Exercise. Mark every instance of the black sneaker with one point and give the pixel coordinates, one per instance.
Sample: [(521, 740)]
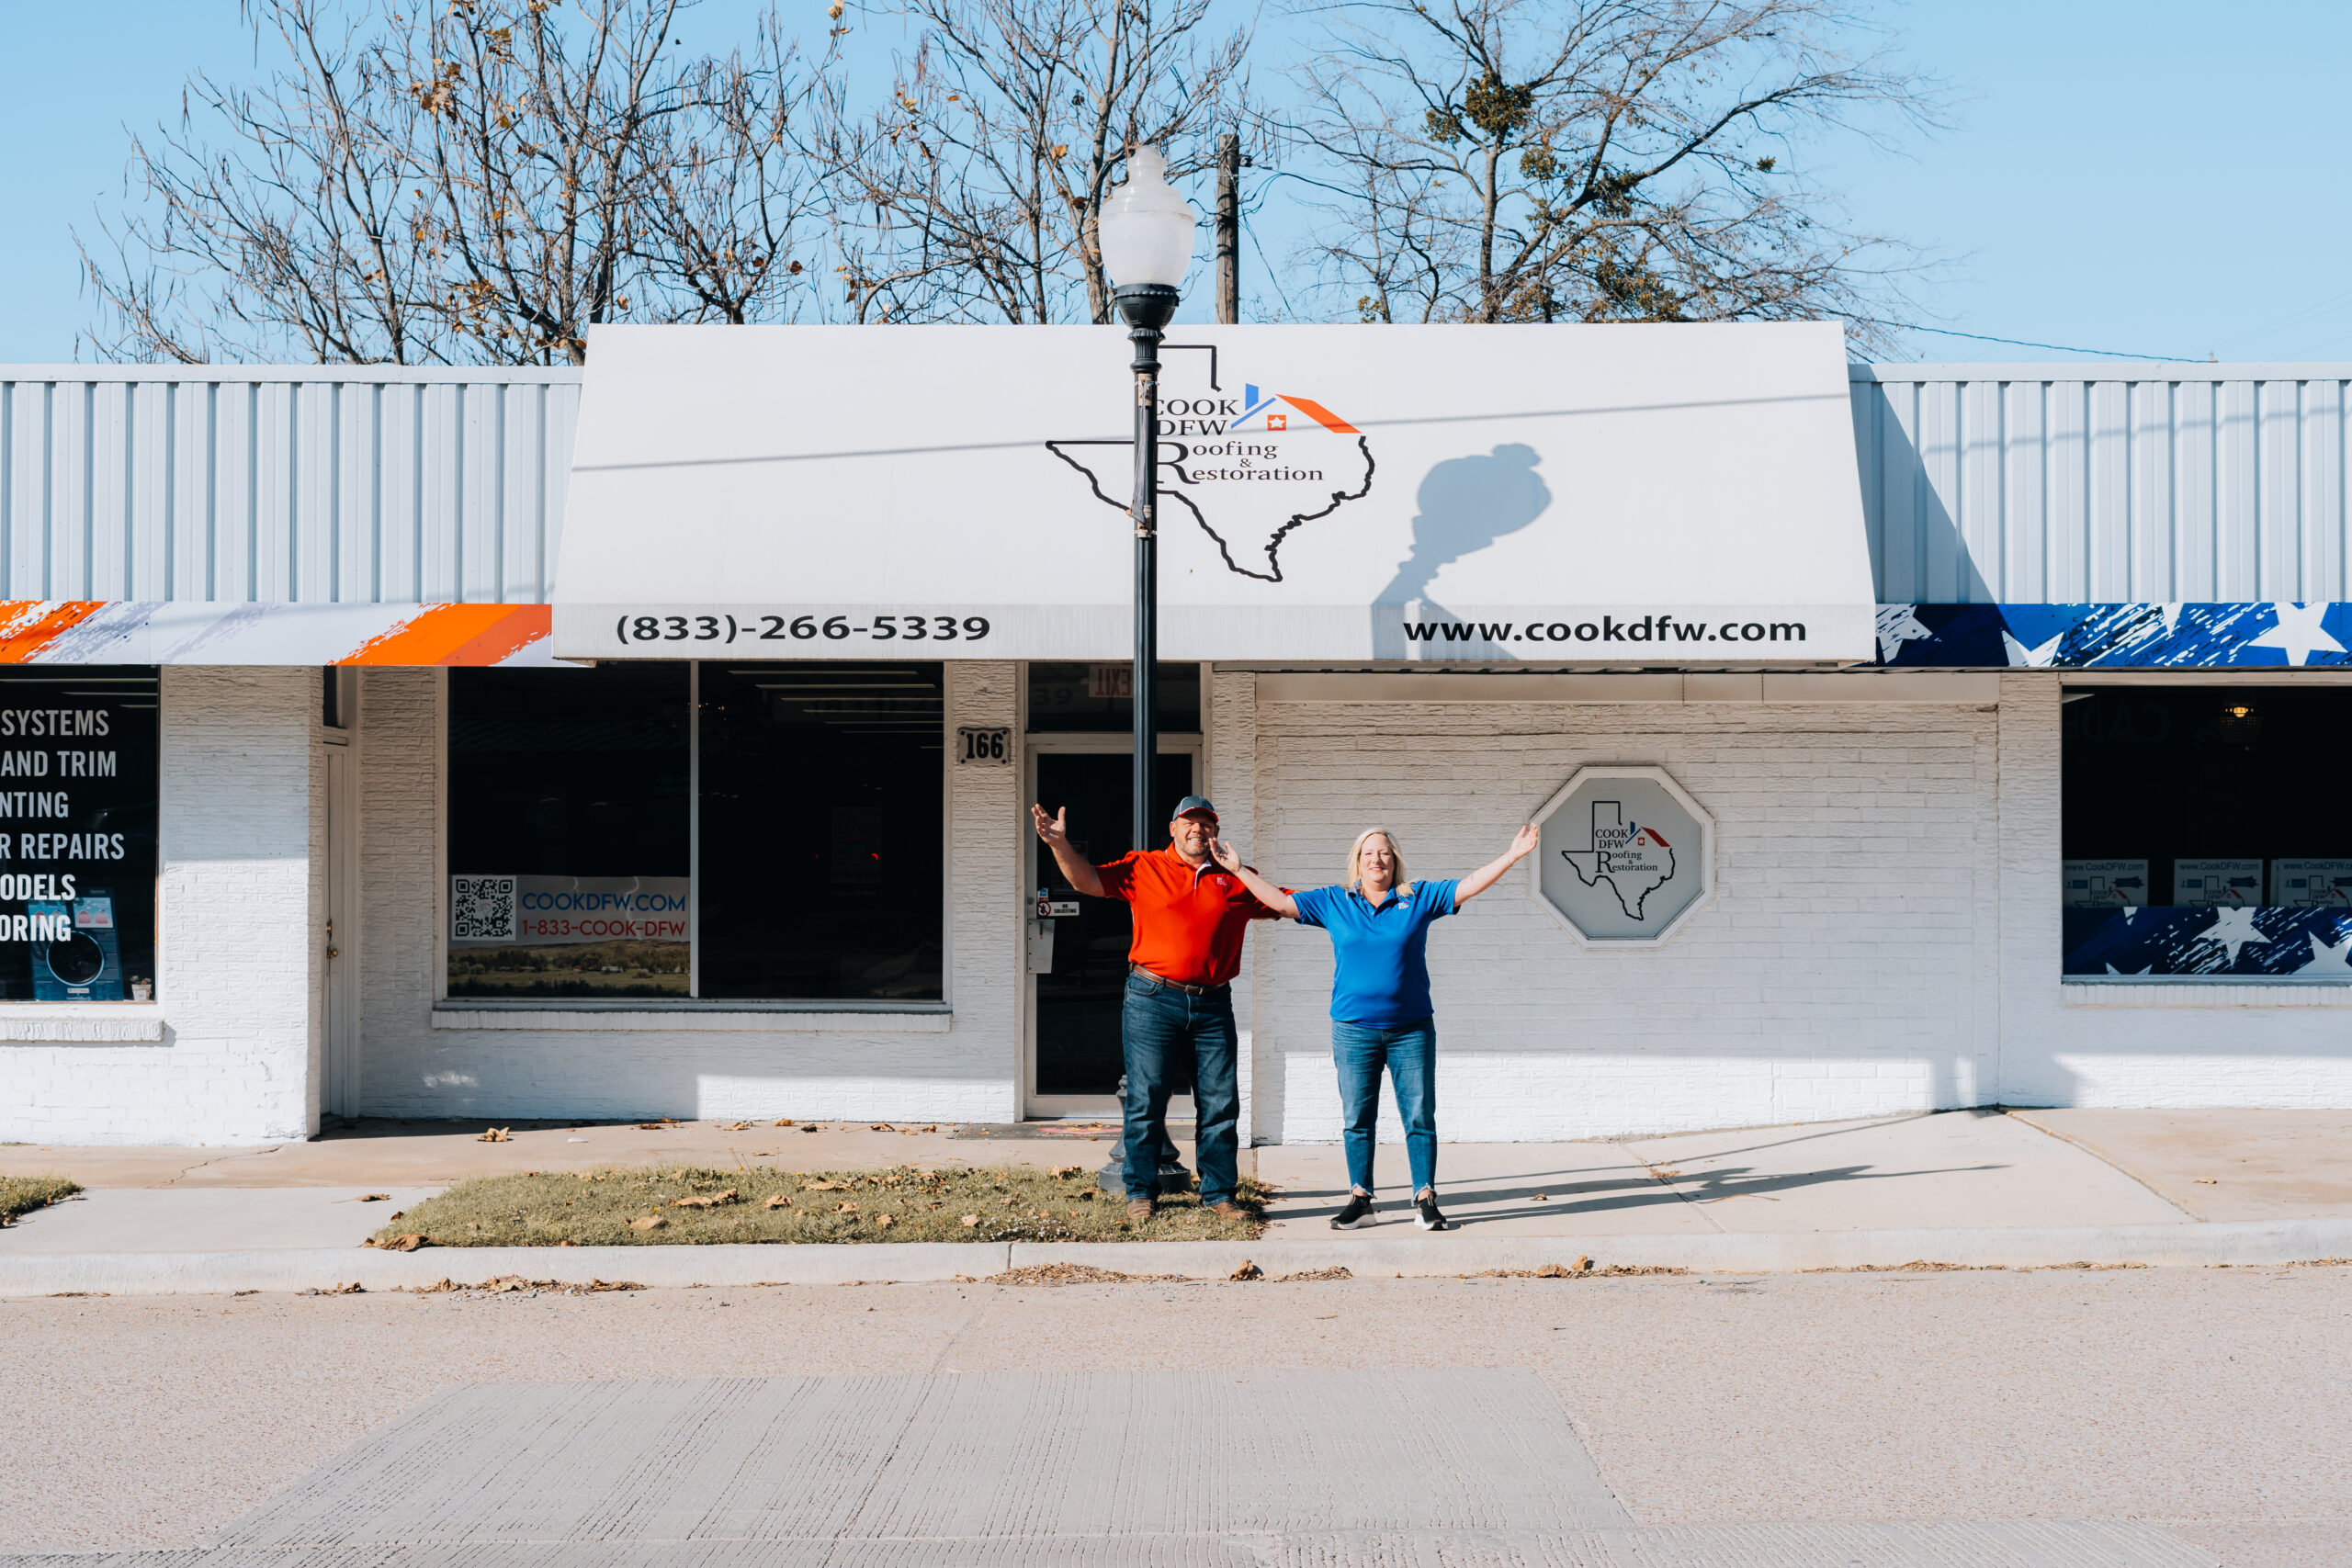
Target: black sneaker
[(1356, 1215), (1425, 1213)]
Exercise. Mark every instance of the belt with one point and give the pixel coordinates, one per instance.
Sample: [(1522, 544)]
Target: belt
[(1138, 970)]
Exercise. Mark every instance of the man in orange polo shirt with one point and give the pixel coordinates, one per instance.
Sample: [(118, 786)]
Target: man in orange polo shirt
[(1189, 920)]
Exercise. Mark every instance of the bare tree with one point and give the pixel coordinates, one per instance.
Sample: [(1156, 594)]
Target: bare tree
[(973, 194), (475, 180), (1590, 160)]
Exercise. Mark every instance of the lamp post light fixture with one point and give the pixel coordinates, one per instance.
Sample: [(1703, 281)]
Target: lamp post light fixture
[(1145, 233)]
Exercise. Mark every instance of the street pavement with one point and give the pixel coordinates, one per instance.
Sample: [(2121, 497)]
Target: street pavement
[(1988, 1418)]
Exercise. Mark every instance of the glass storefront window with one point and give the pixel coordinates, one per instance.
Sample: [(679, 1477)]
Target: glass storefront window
[(577, 799), (2203, 836), (821, 858), (569, 832), (1077, 697), (78, 790)]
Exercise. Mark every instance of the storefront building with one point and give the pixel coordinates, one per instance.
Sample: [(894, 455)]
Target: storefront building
[(480, 744)]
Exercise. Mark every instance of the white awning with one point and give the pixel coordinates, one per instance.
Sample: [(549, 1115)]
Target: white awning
[(1673, 494)]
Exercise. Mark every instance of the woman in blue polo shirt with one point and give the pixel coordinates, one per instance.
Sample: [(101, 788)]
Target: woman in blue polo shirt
[(1381, 1014)]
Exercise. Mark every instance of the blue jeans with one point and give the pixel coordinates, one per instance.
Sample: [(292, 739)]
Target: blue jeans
[(1159, 1027), (1409, 1052)]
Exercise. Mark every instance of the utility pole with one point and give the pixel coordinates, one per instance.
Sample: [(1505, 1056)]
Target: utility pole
[(1229, 228)]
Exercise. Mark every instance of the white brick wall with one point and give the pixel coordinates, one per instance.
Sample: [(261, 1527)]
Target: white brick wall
[(773, 1065), (1845, 968), (240, 905), (1231, 781)]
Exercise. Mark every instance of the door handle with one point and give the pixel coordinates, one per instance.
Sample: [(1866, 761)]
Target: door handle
[(334, 952)]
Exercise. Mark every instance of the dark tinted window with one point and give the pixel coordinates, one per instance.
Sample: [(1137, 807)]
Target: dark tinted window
[(572, 813), (2203, 833), (569, 828), (1064, 697), (821, 851)]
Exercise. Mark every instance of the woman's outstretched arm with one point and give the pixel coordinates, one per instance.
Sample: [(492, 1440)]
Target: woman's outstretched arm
[(1272, 897), (1521, 845)]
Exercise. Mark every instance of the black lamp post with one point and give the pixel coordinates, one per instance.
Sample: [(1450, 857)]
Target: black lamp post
[(1147, 239)]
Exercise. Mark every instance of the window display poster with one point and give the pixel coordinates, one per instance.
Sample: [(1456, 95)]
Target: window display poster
[(2311, 883), (2217, 884), (2106, 884), (77, 833), (520, 936)]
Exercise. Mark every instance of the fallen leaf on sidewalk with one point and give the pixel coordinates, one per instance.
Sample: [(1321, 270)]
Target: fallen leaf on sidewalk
[(1665, 1174), (735, 1126), (374, 1197), (1066, 1170), (395, 1214), (567, 1244), (1541, 1198), (495, 1135), (656, 1124), (711, 1202), (650, 1223), (879, 1127), (812, 1127), (971, 1219), (1584, 1265), (612, 1285), (884, 1221), (505, 1283), (399, 1244), (781, 1121), (1247, 1270), (353, 1289), (1552, 1271), (777, 1201), (2209, 1181)]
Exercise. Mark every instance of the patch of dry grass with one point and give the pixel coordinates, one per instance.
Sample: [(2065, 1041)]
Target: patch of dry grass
[(23, 1195), (656, 1206)]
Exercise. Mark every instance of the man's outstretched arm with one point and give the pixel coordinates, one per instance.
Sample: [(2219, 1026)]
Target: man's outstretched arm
[(1055, 831)]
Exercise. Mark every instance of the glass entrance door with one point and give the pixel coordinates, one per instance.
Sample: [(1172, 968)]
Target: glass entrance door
[(1074, 1012)]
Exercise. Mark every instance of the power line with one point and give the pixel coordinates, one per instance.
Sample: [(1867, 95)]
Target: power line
[(2059, 347)]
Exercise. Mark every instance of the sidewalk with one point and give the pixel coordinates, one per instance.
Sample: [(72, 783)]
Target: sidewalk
[(1976, 1188)]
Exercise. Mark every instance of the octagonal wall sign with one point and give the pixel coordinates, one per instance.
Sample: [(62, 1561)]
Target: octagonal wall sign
[(1625, 856)]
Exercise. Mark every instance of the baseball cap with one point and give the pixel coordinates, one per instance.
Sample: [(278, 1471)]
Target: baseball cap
[(1191, 803)]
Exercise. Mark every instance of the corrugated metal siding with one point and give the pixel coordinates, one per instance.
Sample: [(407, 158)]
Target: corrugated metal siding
[(263, 484), (2104, 484), (1981, 483)]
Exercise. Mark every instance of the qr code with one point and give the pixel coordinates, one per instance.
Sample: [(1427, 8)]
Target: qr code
[(482, 909)]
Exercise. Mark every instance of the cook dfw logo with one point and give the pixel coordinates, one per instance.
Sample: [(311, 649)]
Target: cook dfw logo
[(1634, 861), (1251, 470)]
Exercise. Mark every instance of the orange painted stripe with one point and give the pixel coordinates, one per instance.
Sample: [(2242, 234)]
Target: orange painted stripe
[(456, 634), (525, 625), (1320, 414), (24, 632)]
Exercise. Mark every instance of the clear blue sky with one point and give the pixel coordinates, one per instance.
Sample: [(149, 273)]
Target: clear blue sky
[(2153, 178)]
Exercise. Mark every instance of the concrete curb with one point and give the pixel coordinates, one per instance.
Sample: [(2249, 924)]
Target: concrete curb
[(1408, 1255), (1413, 1253), (296, 1268)]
